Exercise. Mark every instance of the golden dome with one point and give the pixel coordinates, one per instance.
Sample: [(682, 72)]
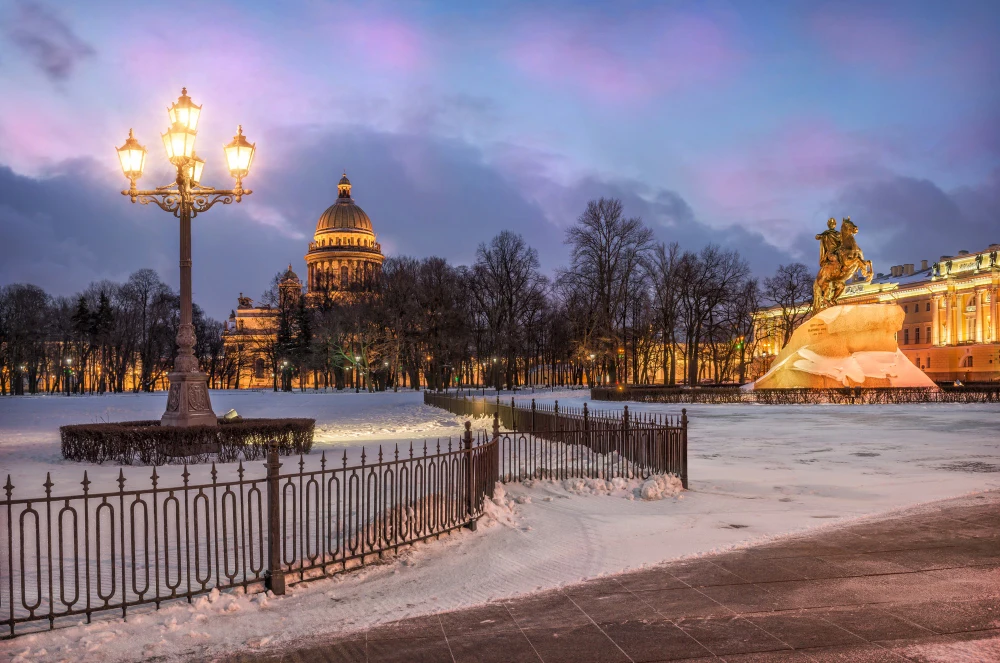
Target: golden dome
[(343, 214)]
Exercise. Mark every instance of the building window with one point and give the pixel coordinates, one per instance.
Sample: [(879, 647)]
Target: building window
[(906, 308), (918, 362), (916, 335), (928, 306), (343, 276), (928, 364), (906, 337), (928, 334), (258, 368), (966, 361)]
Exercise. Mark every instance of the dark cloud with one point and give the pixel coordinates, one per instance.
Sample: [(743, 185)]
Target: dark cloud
[(48, 40), (904, 219), (425, 197)]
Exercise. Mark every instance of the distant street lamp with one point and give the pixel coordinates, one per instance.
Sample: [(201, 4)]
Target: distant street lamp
[(357, 358), (69, 369), (188, 402)]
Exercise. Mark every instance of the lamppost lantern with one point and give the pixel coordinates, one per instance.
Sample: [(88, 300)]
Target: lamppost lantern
[(184, 111), (193, 168), (188, 403), (239, 155), (132, 156), (178, 141)]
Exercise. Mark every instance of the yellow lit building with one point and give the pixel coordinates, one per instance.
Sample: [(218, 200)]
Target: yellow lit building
[(342, 262), (952, 322)]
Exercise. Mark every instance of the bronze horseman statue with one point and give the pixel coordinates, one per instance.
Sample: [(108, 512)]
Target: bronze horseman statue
[(840, 258)]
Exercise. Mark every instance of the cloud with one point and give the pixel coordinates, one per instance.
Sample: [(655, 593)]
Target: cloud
[(907, 219), (50, 42), (627, 58), (426, 196)]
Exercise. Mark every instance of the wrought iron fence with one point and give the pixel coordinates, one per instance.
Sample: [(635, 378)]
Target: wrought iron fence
[(840, 396), (554, 442), (94, 551)]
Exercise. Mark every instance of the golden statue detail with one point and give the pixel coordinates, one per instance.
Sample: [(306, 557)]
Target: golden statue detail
[(840, 258)]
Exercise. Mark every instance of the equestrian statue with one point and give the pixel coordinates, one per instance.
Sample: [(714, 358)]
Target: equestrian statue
[(840, 258)]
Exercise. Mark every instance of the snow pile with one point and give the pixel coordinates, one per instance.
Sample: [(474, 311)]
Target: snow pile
[(656, 487), (500, 509), (661, 486)]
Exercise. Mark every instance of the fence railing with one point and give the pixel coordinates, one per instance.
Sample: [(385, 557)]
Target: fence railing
[(841, 396), (96, 551), (617, 444)]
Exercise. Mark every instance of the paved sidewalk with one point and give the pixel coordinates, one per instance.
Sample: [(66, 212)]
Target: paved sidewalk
[(921, 586)]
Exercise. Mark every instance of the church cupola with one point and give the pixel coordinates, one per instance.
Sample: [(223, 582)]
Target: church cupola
[(344, 187), (289, 289)]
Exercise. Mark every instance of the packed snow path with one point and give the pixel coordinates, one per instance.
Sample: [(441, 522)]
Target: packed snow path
[(756, 472)]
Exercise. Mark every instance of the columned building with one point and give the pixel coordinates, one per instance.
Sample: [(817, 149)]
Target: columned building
[(344, 255), (952, 324), (342, 263)]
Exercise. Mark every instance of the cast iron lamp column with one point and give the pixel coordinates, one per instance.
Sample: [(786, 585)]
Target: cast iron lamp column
[(188, 402)]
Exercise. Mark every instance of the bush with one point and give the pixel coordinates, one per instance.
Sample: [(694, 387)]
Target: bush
[(148, 443)]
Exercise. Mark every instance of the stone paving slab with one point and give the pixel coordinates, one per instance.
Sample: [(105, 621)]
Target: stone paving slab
[(920, 586)]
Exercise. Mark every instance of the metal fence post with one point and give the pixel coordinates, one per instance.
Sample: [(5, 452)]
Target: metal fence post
[(470, 478), (532, 415), (684, 448), (274, 579)]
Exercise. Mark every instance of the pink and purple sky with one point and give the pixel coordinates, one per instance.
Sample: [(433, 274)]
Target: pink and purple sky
[(746, 124)]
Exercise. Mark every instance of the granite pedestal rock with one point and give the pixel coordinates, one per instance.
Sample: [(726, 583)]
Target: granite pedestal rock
[(845, 346)]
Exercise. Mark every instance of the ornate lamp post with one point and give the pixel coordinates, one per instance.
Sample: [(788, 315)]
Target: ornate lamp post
[(187, 402)]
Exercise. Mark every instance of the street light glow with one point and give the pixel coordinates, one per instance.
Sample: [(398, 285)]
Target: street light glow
[(132, 156), (184, 112), (239, 154)]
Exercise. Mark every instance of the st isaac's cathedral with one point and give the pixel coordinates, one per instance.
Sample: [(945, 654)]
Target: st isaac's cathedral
[(341, 263)]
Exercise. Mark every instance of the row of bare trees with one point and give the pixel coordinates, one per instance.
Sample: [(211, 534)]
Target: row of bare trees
[(110, 337), (627, 309)]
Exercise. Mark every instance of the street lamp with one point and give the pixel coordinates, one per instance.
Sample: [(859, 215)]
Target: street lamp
[(188, 402), (357, 358), (68, 370)]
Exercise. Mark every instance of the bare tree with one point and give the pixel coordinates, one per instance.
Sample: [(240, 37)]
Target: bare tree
[(707, 279), (606, 251), (790, 289)]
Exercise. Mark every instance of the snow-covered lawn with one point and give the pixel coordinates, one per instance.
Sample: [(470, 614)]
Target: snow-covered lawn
[(755, 472)]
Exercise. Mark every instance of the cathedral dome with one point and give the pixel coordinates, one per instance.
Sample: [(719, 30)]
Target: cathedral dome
[(343, 214)]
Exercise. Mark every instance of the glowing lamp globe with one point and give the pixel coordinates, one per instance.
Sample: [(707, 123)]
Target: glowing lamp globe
[(132, 156), (193, 169), (179, 143), (239, 154), (184, 112)]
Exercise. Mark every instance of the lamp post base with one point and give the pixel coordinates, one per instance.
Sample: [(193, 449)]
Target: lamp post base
[(188, 403)]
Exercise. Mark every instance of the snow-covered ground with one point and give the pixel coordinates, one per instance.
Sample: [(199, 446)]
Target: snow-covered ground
[(755, 472)]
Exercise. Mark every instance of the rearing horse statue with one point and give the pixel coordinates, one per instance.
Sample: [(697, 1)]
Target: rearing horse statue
[(840, 259)]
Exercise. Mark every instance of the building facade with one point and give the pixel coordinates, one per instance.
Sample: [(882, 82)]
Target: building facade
[(952, 326), (342, 262)]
